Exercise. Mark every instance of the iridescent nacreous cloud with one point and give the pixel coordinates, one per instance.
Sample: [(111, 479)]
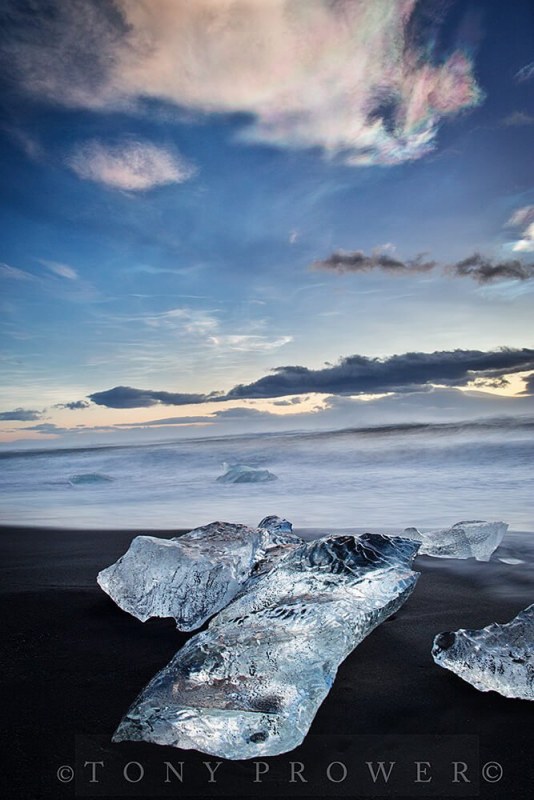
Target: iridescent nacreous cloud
[(348, 77)]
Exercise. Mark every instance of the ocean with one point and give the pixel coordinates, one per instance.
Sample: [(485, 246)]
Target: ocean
[(391, 477)]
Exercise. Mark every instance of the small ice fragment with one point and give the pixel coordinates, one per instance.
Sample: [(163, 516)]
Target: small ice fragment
[(512, 561), (240, 473), (251, 684), (497, 658), (471, 539), (89, 478)]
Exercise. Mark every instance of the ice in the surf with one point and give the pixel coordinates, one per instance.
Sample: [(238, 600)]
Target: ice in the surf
[(241, 473)]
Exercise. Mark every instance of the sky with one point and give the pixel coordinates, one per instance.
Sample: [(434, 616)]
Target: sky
[(238, 215)]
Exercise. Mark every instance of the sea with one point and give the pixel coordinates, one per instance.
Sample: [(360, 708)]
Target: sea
[(427, 475)]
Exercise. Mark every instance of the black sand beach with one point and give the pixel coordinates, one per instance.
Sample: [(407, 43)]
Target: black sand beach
[(72, 663)]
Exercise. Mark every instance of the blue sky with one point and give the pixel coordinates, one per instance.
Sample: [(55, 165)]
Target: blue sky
[(196, 194)]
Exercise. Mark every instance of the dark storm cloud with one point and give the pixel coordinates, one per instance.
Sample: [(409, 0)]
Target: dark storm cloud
[(351, 375), (357, 261), (20, 415), (128, 397), (485, 270), (361, 375), (476, 266)]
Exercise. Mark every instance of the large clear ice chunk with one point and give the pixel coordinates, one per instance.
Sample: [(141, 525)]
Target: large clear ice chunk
[(240, 473), (472, 539), (498, 658), (191, 577), (251, 684)]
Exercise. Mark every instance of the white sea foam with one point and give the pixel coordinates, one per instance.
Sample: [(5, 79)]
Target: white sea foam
[(374, 479)]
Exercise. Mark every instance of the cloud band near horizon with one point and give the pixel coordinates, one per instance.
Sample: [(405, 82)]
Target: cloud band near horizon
[(352, 375)]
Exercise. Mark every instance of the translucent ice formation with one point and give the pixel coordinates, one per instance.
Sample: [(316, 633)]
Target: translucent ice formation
[(276, 525), (192, 577), (498, 658), (472, 539), (240, 473), (89, 478), (251, 684)]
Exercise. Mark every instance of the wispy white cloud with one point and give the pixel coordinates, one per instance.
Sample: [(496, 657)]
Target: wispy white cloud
[(348, 77), (14, 273), (129, 165), (523, 218), (250, 344), (517, 119), (27, 142), (61, 270), (526, 73), (187, 320), (526, 243)]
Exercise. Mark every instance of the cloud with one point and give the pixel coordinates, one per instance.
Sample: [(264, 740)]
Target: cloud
[(165, 421), (361, 80), (517, 119), (242, 413), (47, 427), (352, 375), (525, 73), (61, 270), (190, 320), (129, 165), (75, 405), (362, 375), (476, 266), (250, 343), (486, 270), (523, 218), (128, 397), (356, 261), (25, 141), (20, 415), (14, 273)]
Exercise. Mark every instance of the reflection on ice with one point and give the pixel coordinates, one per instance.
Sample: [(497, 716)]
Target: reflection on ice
[(472, 539), (497, 658), (251, 684), (191, 577)]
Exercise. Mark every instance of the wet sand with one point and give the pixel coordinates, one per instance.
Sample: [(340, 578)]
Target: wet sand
[(72, 663)]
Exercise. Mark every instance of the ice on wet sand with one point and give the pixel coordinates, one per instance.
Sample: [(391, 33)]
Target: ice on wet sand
[(497, 658), (473, 539), (251, 684), (192, 577)]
